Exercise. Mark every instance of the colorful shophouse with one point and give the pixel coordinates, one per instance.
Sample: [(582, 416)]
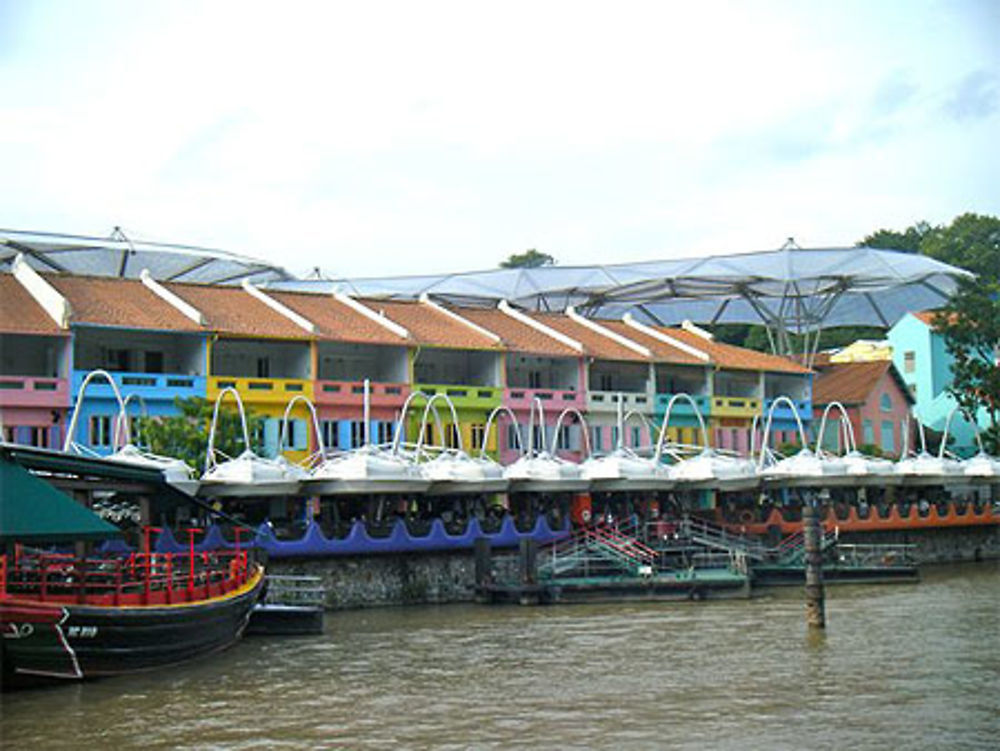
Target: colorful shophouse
[(923, 361), (35, 354), (877, 402)]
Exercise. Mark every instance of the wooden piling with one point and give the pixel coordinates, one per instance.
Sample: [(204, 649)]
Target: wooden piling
[(813, 534)]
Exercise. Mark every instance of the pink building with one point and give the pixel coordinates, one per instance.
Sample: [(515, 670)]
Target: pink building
[(34, 367), (877, 402)]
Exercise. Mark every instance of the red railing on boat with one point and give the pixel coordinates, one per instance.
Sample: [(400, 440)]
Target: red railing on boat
[(138, 579)]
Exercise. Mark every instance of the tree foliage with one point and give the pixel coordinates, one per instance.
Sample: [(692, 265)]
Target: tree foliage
[(908, 240), (529, 259), (970, 321), (185, 435)]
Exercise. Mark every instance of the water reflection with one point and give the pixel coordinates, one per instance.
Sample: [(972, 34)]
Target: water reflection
[(906, 666)]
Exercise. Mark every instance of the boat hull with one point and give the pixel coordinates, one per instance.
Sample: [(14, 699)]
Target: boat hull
[(52, 641)]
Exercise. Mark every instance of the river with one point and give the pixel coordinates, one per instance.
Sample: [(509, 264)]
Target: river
[(912, 666)]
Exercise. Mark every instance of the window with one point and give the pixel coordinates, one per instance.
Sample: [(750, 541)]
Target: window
[(263, 367), (357, 433), (452, 439), (867, 432), (477, 437), (636, 436), (614, 436), (118, 359), (36, 436), (100, 430), (537, 437), (428, 434), (606, 382), (329, 430), (513, 438), (735, 438), (888, 443), (597, 434), (534, 379), (909, 362), (154, 362), (885, 403), (384, 432), (563, 439)]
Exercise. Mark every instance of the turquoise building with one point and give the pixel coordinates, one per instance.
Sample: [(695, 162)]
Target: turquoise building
[(920, 356)]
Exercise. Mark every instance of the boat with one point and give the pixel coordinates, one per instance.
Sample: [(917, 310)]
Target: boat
[(69, 617)]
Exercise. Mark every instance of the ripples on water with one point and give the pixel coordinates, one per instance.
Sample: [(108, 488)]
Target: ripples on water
[(911, 666)]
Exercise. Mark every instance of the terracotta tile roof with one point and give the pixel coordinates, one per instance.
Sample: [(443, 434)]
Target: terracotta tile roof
[(662, 352), (517, 336), (335, 320), (233, 310), (928, 316), (19, 313), (853, 382), (737, 358), (126, 303), (594, 344), (431, 327)]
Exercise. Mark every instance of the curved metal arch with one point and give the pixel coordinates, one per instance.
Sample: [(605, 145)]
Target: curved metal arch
[(81, 395)]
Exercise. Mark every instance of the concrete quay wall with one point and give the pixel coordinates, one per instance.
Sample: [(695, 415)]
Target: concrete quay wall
[(353, 582), (938, 545), (394, 579)]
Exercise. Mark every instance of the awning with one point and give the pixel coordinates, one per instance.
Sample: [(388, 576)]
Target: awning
[(32, 511)]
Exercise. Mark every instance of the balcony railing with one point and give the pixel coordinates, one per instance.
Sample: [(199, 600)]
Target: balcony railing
[(278, 390), (523, 398), (735, 406), (149, 386), (607, 401), (682, 407), (352, 393), (784, 412), (33, 391), (481, 397)]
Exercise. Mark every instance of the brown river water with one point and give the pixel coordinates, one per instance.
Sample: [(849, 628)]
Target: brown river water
[(913, 666)]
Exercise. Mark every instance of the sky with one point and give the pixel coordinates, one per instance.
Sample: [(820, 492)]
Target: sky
[(384, 138)]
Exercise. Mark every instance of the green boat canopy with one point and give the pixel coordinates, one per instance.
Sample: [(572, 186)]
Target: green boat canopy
[(32, 511)]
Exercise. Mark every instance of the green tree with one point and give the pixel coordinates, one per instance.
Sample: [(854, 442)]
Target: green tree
[(970, 323), (185, 435), (971, 241), (908, 240), (529, 259)]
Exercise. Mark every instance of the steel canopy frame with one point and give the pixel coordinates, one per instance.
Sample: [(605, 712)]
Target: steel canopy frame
[(121, 256), (791, 290)]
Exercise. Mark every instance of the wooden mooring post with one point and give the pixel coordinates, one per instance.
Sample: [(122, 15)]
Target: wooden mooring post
[(813, 540)]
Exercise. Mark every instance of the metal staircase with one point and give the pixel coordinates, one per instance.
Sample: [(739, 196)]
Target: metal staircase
[(598, 550), (713, 536)]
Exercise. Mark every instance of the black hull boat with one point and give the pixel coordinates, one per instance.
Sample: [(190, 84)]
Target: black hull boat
[(61, 625)]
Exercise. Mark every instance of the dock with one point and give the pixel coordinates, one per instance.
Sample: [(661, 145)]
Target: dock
[(292, 606)]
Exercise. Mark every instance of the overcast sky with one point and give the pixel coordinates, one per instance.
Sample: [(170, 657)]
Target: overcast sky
[(375, 138)]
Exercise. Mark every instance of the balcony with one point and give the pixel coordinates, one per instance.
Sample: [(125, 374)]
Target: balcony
[(33, 391), (682, 410), (261, 390), (351, 394), (735, 406), (465, 397), (607, 401), (148, 386), (555, 399), (783, 413)]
